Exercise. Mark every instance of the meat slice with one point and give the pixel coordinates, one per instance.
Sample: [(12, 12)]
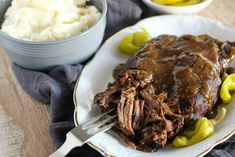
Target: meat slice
[(167, 84), (125, 110), (138, 115), (104, 99)]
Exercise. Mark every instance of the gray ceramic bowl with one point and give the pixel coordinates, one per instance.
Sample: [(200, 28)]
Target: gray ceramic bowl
[(44, 55)]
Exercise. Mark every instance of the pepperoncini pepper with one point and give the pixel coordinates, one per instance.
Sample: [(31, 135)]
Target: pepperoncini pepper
[(167, 2), (187, 3), (203, 129), (227, 86), (177, 2), (132, 42)]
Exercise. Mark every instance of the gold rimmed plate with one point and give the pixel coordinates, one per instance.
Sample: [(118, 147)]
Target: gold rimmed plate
[(98, 73)]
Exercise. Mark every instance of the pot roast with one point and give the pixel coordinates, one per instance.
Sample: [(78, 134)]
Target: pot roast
[(168, 83)]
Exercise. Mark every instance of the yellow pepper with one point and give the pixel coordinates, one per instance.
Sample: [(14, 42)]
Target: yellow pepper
[(224, 76), (177, 2), (227, 87), (167, 2), (220, 115), (187, 3), (132, 42), (203, 129), (126, 46)]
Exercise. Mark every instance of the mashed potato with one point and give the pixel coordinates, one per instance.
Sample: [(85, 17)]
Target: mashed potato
[(48, 20)]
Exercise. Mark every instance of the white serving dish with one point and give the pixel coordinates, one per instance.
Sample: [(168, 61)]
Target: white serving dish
[(98, 73)]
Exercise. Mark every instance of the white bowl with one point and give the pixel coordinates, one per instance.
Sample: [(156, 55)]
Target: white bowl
[(164, 9), (45, 55)]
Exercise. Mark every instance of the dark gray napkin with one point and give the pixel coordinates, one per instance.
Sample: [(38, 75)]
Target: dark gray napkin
[(56, 86)]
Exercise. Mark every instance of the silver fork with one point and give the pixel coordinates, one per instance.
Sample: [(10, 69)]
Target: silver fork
[(84, 132)]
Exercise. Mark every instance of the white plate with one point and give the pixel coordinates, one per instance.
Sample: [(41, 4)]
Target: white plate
[(98, 73)]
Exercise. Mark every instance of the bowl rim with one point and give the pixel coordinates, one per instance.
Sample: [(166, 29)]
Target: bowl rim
[(175, 7), (103, 16)]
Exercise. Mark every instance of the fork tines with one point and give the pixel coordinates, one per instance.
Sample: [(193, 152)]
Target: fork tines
[(99, 123)]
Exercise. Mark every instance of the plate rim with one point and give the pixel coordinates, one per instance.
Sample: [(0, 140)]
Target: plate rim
[(105, 153)]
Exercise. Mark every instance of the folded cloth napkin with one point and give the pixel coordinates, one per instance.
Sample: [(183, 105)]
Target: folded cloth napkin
[(56, 86)]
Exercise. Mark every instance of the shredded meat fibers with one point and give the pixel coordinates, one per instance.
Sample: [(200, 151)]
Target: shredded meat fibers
[(168, 83)]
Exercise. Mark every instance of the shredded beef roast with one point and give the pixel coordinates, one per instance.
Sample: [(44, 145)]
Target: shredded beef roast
[(170, 81)]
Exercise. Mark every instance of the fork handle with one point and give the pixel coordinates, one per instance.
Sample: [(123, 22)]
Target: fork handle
[(70, 143)]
